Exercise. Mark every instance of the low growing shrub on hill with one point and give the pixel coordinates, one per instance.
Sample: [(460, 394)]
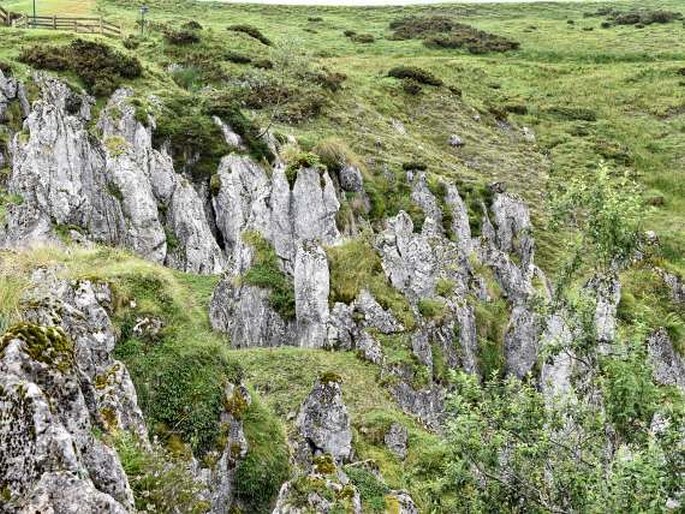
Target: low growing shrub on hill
[(445, 32), (414, 73), (251, 31), (181, 37), (101, 68)]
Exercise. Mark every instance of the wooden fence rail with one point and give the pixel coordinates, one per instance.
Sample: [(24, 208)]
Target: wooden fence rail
[(73, 23)]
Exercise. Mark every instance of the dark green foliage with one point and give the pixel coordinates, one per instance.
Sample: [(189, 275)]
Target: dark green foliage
[(411, 87), (414, 166), (196, 143), (225, 108), (237, 58), (6, 69), (180, 388), (362, 38), (265, 272), (474, 40), (388, 197), (349, 33), (191, 25), (643, 17), (101, 68), (181, 37), (264, 64), (371, 490), (266, 466), (251, 31), (416, 27), (631, 395), (444, 32), (414, 73)]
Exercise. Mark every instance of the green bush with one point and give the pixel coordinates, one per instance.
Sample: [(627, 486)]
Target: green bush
[(181, 37), (237, 58), (362, 38), (225, 108), (101, 68), (419, 75), (251, 31), (265, 272), (371, 490), (196, 143)]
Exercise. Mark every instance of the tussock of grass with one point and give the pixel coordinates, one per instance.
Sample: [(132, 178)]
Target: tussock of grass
[(266, 272), (355, 265)]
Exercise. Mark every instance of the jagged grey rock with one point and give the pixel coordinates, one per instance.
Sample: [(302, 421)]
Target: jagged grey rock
[(422, 196), (521, 341), (323, 422), (460, 219), (675, 284), (607, 291), (351, 179), (46, 428), (668, 366), (369, 348), (311, 295), (426, 404), (375, 316), (342, 328), (396, 440), (407, 258), (244, 312)]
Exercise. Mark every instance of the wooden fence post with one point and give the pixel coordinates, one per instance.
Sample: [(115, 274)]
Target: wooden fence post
[(54, 21)]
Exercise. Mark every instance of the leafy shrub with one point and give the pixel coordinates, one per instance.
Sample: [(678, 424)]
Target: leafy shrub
[(131, 42), (411, 87), (237, 58), (101, 68), (474, 40), (251, 31), (196, 143), (298, 160), (315, 19), (444, 32), (265, 272), (191, 25), (349, 33), (419, 75), (5, 68), (181, 37), (414, 166), (331, 81), (416, 27), (264, 64), (362, 38), (371, 490), (644, 17)]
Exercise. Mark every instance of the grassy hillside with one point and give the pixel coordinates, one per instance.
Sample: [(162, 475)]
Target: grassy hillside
[(589, 93)]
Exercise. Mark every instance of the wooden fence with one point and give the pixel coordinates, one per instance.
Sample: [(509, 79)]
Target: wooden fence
[(75, 24), (5, 17)]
